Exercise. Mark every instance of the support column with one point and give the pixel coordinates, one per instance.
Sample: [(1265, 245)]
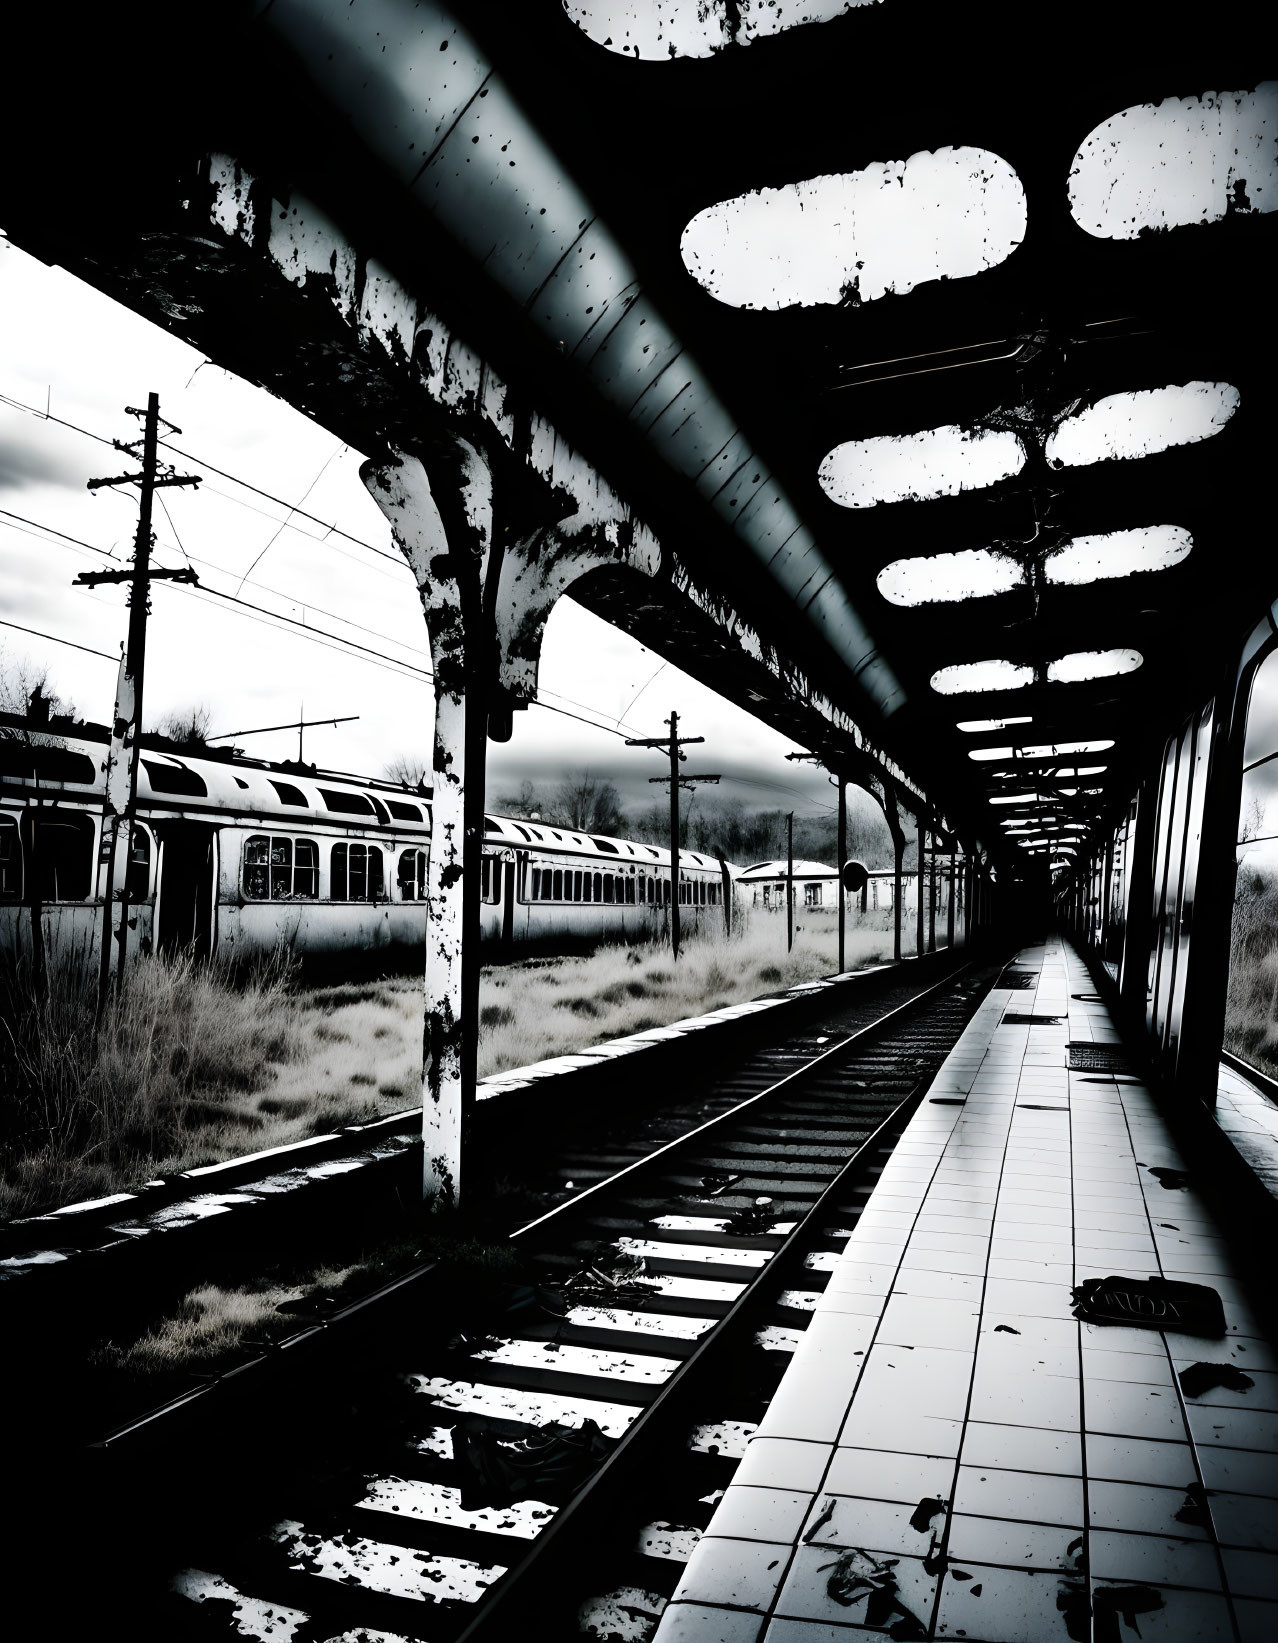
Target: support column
[(918, 899), (842, 856), (949, 910), (442, 523)]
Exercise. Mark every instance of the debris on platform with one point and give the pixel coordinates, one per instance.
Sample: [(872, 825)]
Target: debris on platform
[(1150, 1303)]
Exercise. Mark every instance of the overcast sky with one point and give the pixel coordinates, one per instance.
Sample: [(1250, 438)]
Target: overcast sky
[(69, 350)]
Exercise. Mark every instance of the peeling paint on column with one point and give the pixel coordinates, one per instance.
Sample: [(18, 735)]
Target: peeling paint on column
[(448, 563)]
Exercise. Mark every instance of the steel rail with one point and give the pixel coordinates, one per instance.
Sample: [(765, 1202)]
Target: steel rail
[(325, 1333), (569, 1535)]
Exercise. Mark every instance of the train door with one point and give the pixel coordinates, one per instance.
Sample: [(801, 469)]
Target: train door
[(507, 904), (186, 888)]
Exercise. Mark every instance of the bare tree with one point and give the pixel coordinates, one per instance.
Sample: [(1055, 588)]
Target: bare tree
[(587, 803), (25, 693), (528, 802), (188, 726), (407, 771)]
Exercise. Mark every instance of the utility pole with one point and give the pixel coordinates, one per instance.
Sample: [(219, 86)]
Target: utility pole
[(789, 882), (120, 803), (674, 743)]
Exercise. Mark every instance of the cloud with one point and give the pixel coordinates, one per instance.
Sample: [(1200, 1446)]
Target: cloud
[(26, 463)]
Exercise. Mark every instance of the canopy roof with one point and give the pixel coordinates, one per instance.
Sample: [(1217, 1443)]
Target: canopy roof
[(946, 336)]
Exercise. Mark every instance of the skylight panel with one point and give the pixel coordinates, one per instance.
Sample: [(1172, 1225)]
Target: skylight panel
[(973, 725), (1124, 427), (973, 676), (1045, 750), (849, 238), (654, 31), (1093, 664), (975, 573), (1118, 553), (944, 461), (1181, 161)]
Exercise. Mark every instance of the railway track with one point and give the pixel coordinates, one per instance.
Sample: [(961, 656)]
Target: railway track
[(654, 1313)]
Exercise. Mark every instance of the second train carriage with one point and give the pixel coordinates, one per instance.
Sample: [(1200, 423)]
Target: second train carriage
[(238, 857)]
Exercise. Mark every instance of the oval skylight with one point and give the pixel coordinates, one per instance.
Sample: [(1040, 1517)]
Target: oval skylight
[(657, 30), (1118, 553), (1123, 427), (851, 237), (1093, 664), (1046, 750), (991, 675), (975, 573), (1184, 160), (994, 724), (916, 467)]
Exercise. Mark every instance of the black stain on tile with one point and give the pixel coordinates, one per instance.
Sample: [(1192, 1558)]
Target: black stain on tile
[(826, 1515), (1112, 1604), (1005, 1329), (1195, 1510), (1074, 1609), (928, 1508), (1175, 1180), (1205, 1377)]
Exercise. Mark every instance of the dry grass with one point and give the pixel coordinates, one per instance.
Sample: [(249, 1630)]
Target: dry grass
[(172, 1077), (1251, 1010), (193, 1066), (541, 1008), (212, 1324)]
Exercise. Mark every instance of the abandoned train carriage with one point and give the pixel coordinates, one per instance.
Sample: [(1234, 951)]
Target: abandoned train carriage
[(236, 857)]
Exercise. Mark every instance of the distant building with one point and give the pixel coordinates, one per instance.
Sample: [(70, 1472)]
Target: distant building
[(817, 885), (763, 885)]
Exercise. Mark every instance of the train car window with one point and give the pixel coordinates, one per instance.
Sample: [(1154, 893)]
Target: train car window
[(356, 872), (10, 861), (536, 884), (174, 778), (403, 811), (558, 885), (26, 762), (606, 845), (412, 875), (598, 884), (811, 895), (58, 846), (490, 880), (630, 890), (305, 869), (490, 826), (609, 888), (346, 804), (256, 878), (288, 794), (140, 865), (380, 811), (280, 869), (1251, 1018)]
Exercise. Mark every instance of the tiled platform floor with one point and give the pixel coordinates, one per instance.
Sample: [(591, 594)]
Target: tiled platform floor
[(950, 1453)]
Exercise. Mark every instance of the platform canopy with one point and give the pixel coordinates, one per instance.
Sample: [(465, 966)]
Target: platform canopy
[(940, 338)]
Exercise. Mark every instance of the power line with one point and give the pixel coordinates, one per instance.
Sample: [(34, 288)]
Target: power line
[(330, 527), (53, 637), (283, 522)]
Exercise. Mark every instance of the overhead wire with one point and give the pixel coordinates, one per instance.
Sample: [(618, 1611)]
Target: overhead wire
[(320, 636)]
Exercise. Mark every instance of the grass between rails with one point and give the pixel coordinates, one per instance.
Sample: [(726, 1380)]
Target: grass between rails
[(193, 1066)]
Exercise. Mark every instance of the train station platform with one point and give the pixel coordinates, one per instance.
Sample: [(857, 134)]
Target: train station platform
[(952, 1453)]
